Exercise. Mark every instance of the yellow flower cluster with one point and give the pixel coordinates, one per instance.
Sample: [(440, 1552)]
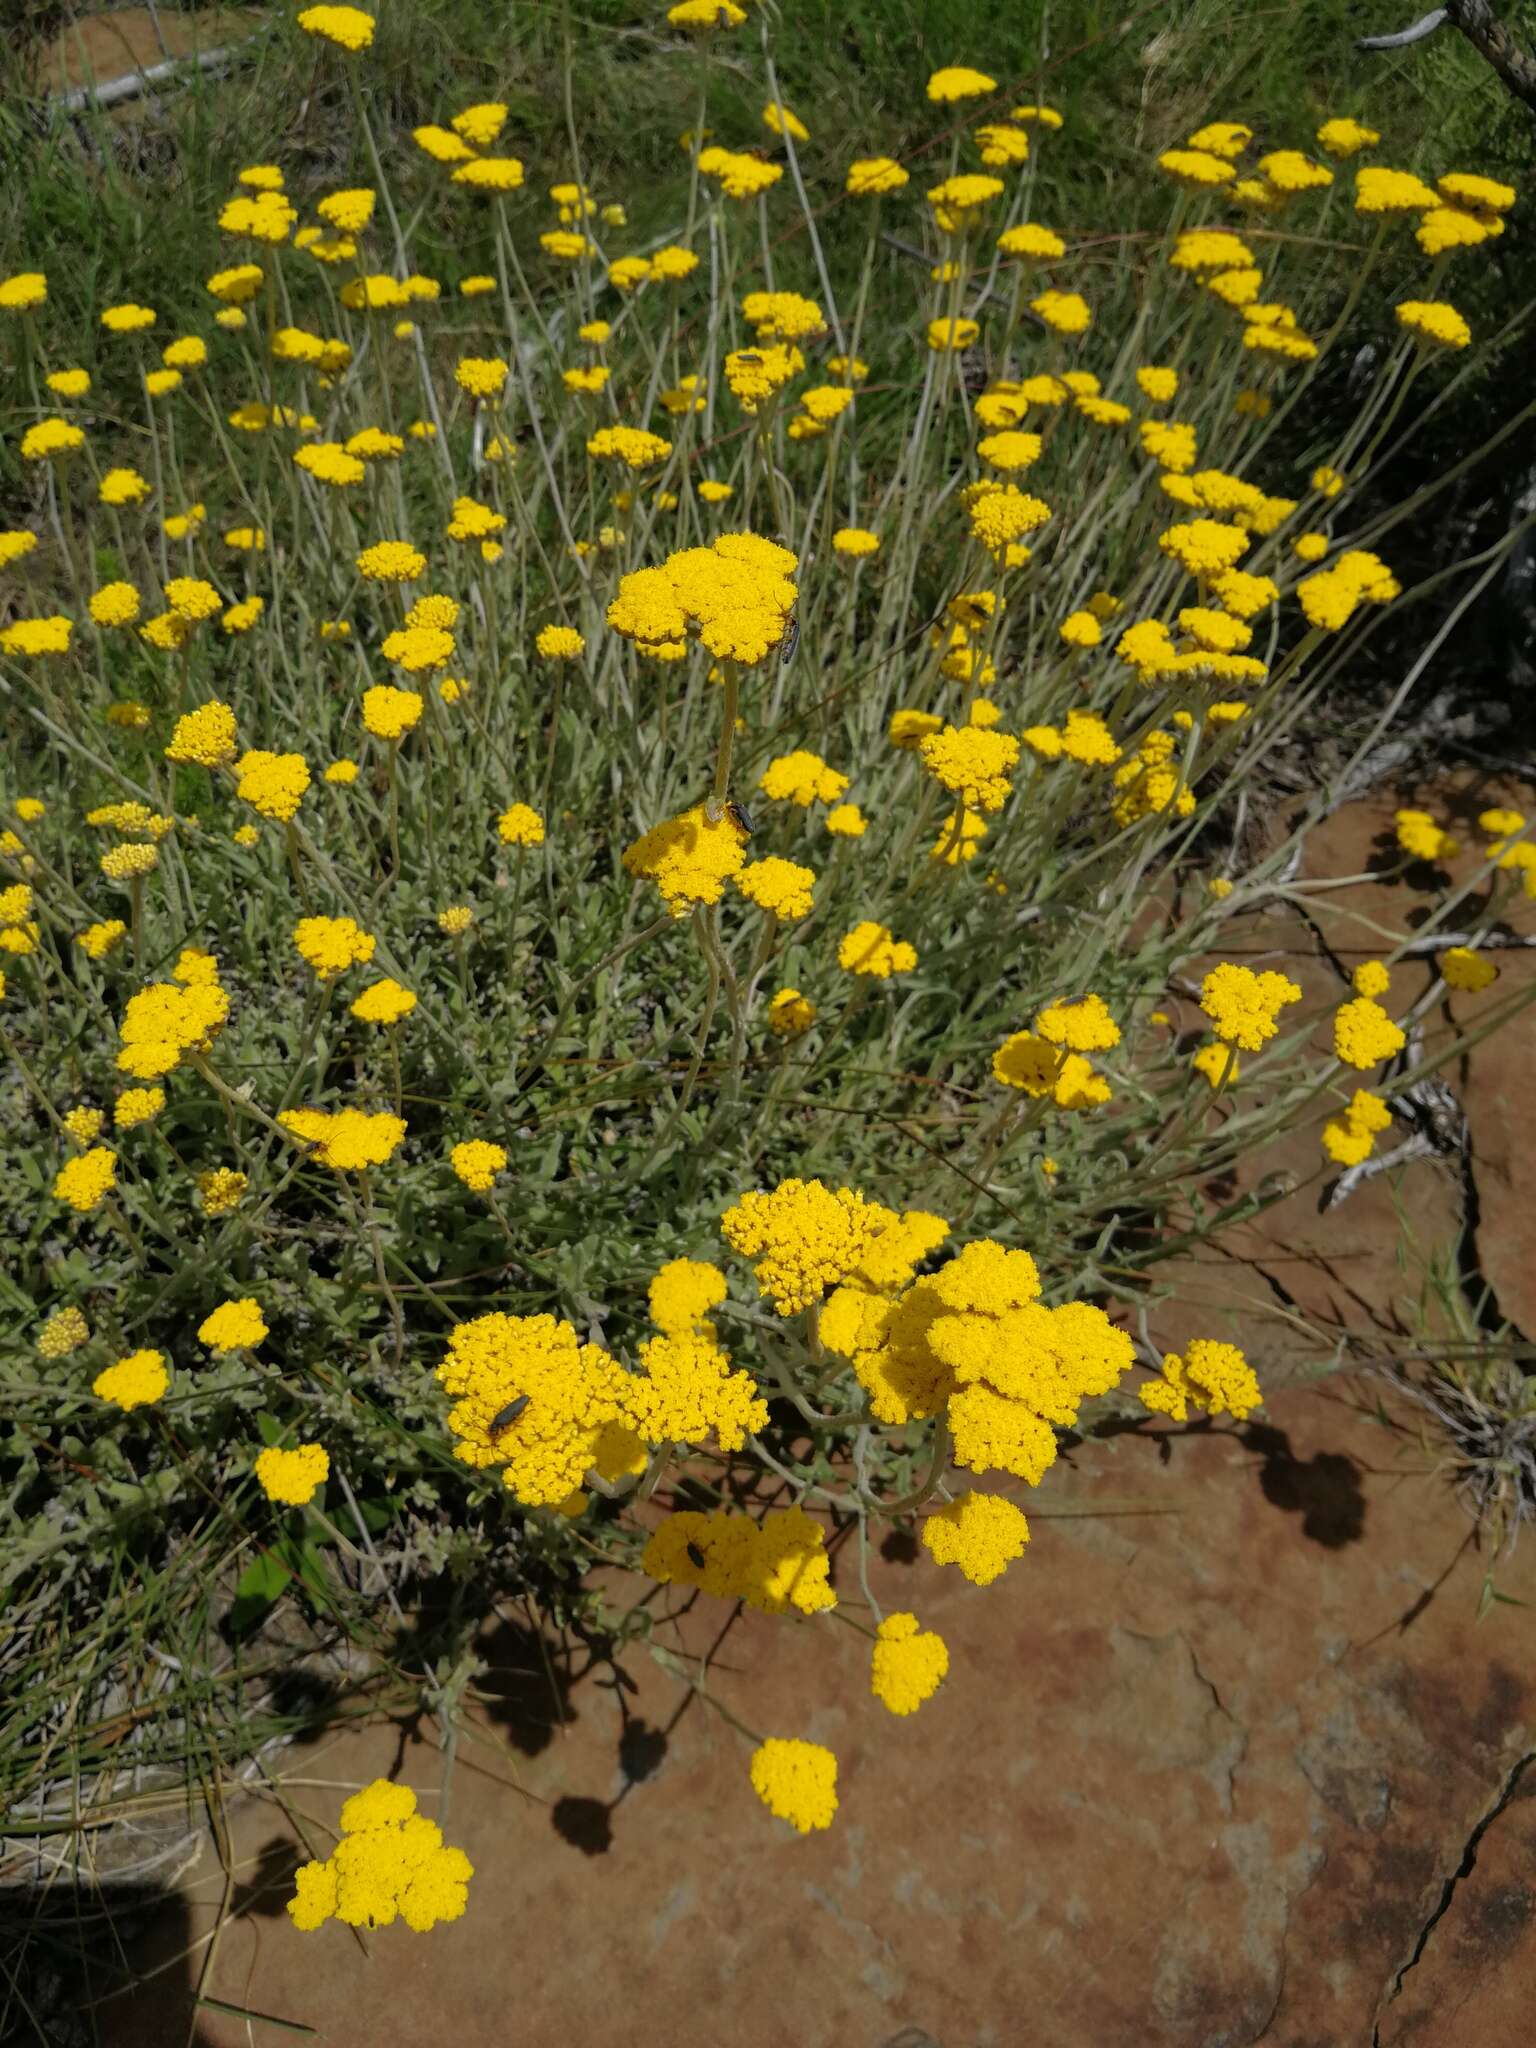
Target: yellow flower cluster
[(205, 737), (1040, 1068), (164, 1022), (739, 176), (1001, 515), (773, 1565), (391, 1862), (689, 858), (85, 1181), (1212, 1375), (66, 1330), (1461, 968), (349, 28), (1420, 837), (220, 1190), (871, 949), (273, 784), (333, 944), (976, 1335), (790, 1013), (347, 1140), (292, 1478), (781, 887), (981, 1533), (383, 1002), (972, 763), (1364, 1035), (530, 1398), (801, 778), (137, 1106), (390, 713), (802, 1237), (1351, 1136), (796, 1781), (477, 1162), (735, 595), (234, 1326), (908, 1664), (687, 1387), (136, 1381), (1244, 1006), (1331, 597)]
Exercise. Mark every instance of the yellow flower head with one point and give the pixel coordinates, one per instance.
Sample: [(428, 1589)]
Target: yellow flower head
[(1463, 969), (634, 447), (973, 763), (1345, 137), (391, 561), (980, 1532), (521, 825), (234, 1326), (333, 944), (872, 176), (133, 1382), (1245, 1006), (1212, 1375), (909, 1664), (137, 1106), (273, 783), (958, 82), (66, 1330), (1380, 190), (870, 949), (735, 595), (164, 1022), (690, 858), (781, 887), (205, 736), (1434, 321), (797, 1781), (1364, 1035), (220, 1190), (292, 1478), (347, 1140), (349, 28), (19, 294), (477, 1162), (389, 713), (390, 1862), (790, 1013), (383, 1002), (530, 1398)]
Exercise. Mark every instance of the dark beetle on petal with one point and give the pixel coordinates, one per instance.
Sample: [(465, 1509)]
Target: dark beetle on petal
[(506, 1416)]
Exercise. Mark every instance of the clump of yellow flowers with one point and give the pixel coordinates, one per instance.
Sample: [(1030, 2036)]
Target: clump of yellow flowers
[(532, 779)]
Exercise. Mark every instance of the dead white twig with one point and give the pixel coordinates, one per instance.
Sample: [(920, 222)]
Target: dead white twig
[(1405, 36), (1476, 20)]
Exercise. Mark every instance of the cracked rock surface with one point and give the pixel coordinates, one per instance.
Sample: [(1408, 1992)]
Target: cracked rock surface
[(1205, 1772)]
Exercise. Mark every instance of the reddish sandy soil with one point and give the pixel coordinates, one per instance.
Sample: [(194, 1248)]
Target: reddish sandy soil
[(103, 46)]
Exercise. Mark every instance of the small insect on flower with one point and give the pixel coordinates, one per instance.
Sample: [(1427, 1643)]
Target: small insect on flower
[(791, 641), (505, 1417), (695, 1556), (739, 817)]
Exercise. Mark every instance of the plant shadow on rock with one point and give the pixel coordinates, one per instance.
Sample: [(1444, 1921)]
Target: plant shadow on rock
[(1324, 1489)]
